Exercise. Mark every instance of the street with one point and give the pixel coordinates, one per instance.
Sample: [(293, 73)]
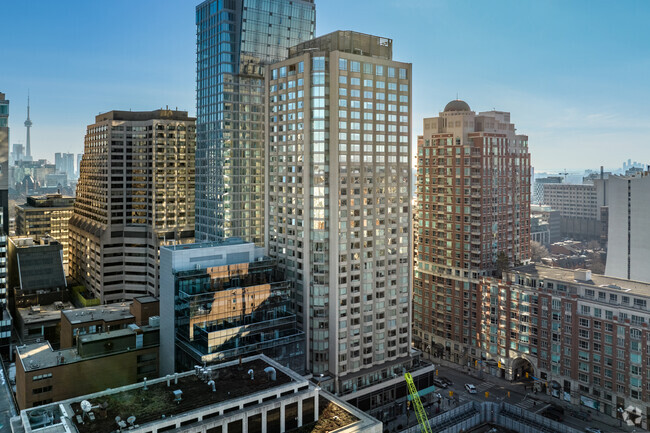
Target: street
[(499, 390)]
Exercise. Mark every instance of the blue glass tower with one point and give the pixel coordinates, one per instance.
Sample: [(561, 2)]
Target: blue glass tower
[(235, 39)]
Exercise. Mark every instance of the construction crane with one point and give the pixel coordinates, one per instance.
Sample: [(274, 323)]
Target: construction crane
[(417, 404)]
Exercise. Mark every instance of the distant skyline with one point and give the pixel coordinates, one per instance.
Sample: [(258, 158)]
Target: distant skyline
[(573, 74)]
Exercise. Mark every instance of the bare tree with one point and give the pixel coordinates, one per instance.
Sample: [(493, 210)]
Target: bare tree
[(538, 251)]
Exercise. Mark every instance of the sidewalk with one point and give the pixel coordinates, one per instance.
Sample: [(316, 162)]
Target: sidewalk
[(517, 387)]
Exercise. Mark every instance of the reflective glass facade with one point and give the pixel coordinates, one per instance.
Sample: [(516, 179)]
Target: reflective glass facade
[(235, 39), (225, 312)]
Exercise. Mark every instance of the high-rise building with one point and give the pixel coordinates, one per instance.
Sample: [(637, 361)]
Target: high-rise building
[(17, 154), (628, 232), (5, 317), (473, 198), (235, 39), (64, 163), (338, 202), (79, 157), (135, 193), (46, 215)]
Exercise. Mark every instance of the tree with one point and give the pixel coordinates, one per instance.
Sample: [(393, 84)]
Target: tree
[(538, 251), (502, 263)]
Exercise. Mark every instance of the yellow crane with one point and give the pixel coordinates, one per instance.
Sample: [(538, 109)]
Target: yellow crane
[(417, 404)]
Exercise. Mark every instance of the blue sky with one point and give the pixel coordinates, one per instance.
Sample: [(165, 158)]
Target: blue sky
[(574, 75)]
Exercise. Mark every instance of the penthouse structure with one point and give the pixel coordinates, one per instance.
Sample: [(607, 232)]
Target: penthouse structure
[(135, 193), (473, 197)]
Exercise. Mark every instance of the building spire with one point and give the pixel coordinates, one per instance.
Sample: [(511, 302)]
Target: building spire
[(28, 125)]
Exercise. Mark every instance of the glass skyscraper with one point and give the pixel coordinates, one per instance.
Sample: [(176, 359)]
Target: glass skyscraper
[(235, 39)]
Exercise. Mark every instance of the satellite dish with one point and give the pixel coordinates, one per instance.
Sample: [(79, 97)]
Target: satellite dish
[(86, 406), (118, 419), (131, 420)]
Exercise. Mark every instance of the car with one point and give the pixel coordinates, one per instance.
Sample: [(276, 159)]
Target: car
[(593, 430), (439, 383), (446, 380), (470, 388)]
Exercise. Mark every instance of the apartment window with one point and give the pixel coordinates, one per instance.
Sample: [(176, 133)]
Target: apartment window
[(343, 65)]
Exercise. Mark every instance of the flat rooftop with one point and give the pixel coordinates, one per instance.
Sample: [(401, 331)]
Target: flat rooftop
[(198, 245), (43, 313), (37, 356), (155, 405), (597, 281), (147, 299), (106, 313)]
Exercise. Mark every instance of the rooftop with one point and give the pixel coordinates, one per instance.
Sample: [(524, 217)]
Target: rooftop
[(235, 392), (140, 116), (106, 313), (147, 299), (197, 245), (349, 42), (37, 356), (597, 281), (43, 313)]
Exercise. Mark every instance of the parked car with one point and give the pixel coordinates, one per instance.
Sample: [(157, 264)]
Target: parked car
[(593, 430), (439, 383), (470, 388), (446, 380)]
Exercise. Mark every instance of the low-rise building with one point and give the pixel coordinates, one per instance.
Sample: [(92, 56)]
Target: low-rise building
[(254, 394), (106, 318), (98, 361), (40, 322)]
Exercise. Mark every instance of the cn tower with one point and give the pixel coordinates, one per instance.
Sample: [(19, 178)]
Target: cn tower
[(28, 124)]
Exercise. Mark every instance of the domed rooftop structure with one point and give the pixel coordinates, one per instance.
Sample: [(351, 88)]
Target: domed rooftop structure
[(457, 105)]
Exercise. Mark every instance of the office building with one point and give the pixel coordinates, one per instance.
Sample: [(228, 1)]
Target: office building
[(571, 200), (17, 154), (583, 336), (235, 39), (253, 394), (338, 202), (78, 169), (539, 185), (5, 317), (97, 362), (35, 268), (540, 231), (135, 193), (551, 217), (64, 163), (46, 215), (628, 233), (473, 198), (222, 301), (105, 318)]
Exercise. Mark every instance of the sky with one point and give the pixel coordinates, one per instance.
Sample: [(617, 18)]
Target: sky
[(573, 74)]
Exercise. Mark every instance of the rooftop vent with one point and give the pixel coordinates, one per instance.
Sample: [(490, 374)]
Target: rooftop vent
[(178, 396)]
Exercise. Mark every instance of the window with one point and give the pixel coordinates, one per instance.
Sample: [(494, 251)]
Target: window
[(343, 65), (355, 66)]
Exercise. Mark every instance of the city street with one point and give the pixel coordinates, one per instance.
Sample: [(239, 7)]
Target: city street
[(498, 390)]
